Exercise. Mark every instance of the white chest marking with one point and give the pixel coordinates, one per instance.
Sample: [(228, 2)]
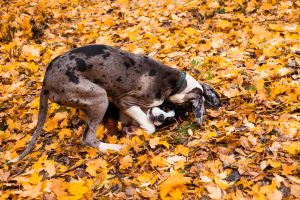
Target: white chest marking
[(191, 84)]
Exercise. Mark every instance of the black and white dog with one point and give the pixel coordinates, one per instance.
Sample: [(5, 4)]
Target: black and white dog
[(90, 77)]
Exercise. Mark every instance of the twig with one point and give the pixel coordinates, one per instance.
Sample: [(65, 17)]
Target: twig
[(74, 167), (22, 170)]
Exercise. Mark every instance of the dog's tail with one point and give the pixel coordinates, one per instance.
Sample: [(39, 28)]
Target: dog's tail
[(39, 128)]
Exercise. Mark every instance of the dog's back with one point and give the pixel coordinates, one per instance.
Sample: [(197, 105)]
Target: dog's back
[(117, 71)]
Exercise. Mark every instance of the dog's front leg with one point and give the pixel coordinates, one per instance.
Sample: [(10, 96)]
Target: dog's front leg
[(136, 113)]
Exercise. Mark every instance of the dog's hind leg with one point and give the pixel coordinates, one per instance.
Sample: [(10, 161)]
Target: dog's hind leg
[(94, 115), (95, 111), (94, 101)]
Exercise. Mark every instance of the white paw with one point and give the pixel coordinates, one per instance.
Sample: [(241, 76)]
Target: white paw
[(149, 128), (106, 146)]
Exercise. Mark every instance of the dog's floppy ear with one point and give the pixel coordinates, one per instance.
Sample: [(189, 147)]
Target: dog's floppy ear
[(212, 99), (199, 109)]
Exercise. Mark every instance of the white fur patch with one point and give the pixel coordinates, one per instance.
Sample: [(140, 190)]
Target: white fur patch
[(138, 115), (156, 103), (191, 84), (103, 147), (156, 111)]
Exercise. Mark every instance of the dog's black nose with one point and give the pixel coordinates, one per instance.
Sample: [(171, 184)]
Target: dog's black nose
[(161, 118)]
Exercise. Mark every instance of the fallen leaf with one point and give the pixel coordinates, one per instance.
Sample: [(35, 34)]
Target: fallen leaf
[(175, 182), (214, 192), (94, 165), (126, 162)]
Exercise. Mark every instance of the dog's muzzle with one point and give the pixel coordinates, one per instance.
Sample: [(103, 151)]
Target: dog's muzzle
[(158, 116)]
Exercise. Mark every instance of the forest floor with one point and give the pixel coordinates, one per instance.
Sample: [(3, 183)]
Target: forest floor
[(248, 51)]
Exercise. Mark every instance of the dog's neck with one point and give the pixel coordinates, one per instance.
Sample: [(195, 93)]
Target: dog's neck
[(181, 83), (191, 83)]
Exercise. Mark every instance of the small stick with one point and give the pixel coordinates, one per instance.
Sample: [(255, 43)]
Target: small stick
[(74, 167), (22, 170)]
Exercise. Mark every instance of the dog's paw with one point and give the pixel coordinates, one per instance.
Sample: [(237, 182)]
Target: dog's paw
[(149, 128), (103, 147)]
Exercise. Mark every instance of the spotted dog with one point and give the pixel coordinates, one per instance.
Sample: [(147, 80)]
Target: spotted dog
[(91, 76)]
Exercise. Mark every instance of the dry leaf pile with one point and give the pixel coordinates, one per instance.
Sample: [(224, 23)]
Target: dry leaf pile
[(248, 50)]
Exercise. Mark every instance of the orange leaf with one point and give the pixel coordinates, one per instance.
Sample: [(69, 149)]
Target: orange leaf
[(173, 182), (93, 165), (126, 162)]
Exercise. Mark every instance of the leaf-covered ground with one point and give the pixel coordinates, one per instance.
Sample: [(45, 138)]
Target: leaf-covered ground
[(248, 50)]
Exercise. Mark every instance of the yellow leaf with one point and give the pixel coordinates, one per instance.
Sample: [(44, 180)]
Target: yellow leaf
[(77, 189), (51, 124), (92, 152), (210, 134), (58, 187), (153, 142), (274, 164), (214, 192), (126, 162), (50, 167), (30, 52), (52, 146), (176, 194), (154, 179), (156, 141), (107, 21), (180, 149), (164, 143), (147, 179), (144, 179), (295, 190), (100, 131), (136, 143), (32, 191), (158, 161), (64, 132), (232, 92), (141, 159), (35, 178), (35, 103), (102, 179), (94, 165), (33, 67), (266, 6), (173, 182), (276, 27), (292, 148), (221, 183), (11, 124), (22, 142), (191, 31), (223, 24)]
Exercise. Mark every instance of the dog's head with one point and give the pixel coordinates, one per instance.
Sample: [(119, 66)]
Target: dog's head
[(200, 98), (158, 116), (197, 96)]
